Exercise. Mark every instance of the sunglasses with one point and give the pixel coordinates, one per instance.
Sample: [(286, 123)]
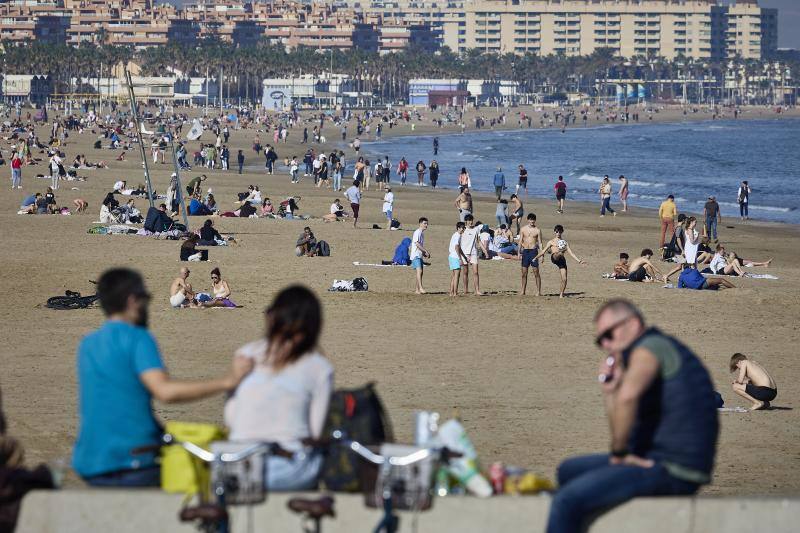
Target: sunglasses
[(214, 277), (608, 333)]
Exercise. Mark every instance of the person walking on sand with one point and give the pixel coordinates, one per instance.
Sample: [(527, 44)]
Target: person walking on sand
[(667, 212), (499, 183), (561, 193), (713, 216), (752, 382), (464, 204), (659, 400), (623, 193), (530, 242), (456, 258), (418, 253), (605, 197), (557, 247), (469, 247), (522, 184), (353, 194), (743, 199), (388, 207)]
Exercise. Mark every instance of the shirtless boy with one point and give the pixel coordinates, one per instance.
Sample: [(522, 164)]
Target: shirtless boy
[(557, 255), (621, 268), (530, 242), (180, 292), (641, 268), (753, 382)]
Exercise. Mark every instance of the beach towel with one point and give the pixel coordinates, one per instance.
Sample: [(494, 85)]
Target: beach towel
[(610, 275), (707, 272), (732, 410), (358, 263), (401, 253)]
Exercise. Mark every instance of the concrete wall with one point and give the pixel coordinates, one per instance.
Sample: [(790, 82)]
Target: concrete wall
[(134, 511)]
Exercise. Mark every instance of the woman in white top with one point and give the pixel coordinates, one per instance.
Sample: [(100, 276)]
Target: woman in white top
[(388, 206), (285, 398), (692, 241)]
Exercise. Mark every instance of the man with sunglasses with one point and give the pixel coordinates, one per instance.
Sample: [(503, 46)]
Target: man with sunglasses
[(660, 403), (120, 371)]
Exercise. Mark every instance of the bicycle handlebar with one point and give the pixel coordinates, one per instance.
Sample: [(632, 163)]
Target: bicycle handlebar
[(269, 448), (404, 460)]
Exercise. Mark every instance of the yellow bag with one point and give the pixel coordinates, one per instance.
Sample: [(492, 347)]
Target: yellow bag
[(181, 472)]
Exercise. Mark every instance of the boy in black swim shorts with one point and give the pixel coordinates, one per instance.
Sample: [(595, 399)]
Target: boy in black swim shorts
[(530, 241), (558, 248), (753, 382)]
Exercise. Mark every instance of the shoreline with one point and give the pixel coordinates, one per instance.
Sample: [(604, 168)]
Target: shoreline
[(369, 151)]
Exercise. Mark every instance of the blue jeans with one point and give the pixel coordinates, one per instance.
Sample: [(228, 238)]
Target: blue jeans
[(711, 224), (146, 477), (301, 472), (589, 485), (606, 206), (337, 180), (743, 211)]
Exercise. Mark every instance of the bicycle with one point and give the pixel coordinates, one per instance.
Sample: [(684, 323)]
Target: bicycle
[(403, 481), (72, 300), (237, 478)]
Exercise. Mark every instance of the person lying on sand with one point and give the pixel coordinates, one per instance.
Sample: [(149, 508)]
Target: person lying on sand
[(691, 278), (753, 382)]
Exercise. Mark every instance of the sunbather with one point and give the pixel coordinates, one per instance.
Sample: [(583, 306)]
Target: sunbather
[(641, 269), (180, 292), (221, 290)]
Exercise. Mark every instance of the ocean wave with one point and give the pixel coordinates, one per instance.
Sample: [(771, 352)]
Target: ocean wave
[(755, 207), (651, 197), (589, 177), (599, 179)]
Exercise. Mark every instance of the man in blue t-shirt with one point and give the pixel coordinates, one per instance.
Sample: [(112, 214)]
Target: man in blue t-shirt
[(691, 278), (120, 371)]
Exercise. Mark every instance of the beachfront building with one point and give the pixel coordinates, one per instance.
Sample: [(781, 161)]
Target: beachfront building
[(25, 88), (281, 94), (437, 92)]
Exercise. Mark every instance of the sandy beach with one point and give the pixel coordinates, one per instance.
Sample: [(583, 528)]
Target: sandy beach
[(520, 372)]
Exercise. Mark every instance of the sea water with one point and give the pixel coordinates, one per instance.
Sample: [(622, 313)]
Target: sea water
[(690, 160)]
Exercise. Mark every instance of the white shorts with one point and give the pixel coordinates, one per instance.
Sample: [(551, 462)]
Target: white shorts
[(472, 259), (177, 299)]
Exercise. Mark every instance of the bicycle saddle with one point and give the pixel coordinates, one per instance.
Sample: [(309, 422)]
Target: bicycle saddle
[(207, 512), (316, 509)]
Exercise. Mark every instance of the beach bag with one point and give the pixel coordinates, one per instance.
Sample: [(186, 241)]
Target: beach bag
[(360, 415), (346, 285), (181, 472), (97, 230), (323, 249)]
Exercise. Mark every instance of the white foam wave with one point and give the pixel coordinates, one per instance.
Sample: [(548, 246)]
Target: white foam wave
[(599, 179), (755, 207), (589, 177)]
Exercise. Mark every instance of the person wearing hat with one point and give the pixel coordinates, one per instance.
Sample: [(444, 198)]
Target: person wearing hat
[(499, 183), (713, 216)]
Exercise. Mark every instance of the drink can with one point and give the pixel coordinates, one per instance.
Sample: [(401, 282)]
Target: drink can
[(497, 477)]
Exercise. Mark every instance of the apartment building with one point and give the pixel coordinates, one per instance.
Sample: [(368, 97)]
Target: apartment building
[(698, 29)]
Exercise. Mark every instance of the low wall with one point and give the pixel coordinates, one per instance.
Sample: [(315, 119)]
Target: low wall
[(135, 511)]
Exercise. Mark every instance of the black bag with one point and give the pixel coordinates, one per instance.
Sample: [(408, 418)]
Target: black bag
[(359, 414), (395, 223), (323, 249)]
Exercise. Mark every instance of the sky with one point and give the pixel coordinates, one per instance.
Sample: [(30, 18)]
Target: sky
[(788, 20)]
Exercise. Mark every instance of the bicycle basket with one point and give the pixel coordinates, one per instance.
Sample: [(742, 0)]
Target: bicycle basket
[(411, 486), (242, 481)]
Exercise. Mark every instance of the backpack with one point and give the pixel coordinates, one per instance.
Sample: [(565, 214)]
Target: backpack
[(395, 223), (360, 415), (323, 249)]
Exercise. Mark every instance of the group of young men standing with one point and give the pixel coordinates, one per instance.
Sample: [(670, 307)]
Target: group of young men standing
[(463, 254)]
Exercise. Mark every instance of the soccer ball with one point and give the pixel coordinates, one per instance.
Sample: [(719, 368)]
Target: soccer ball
[(561, 245)]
